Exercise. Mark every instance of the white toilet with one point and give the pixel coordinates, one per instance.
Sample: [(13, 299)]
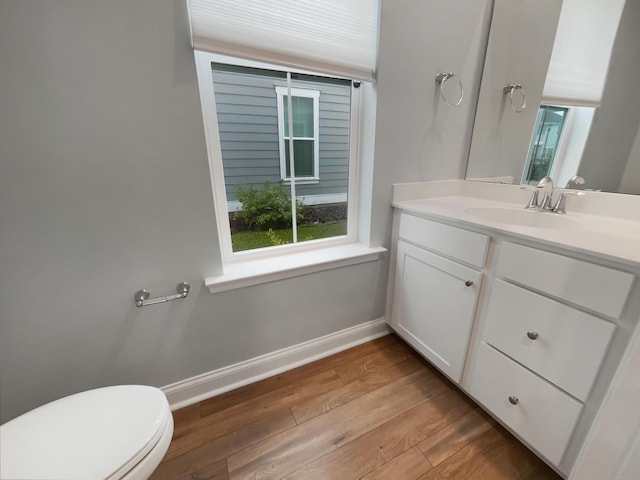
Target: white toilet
[(114, 433)]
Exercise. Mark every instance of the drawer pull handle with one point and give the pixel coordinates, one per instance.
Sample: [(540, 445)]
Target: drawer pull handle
[(532, 335), (468, 283), (514, 400)]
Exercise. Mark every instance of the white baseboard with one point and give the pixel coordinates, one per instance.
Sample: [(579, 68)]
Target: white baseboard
[(192, 390)]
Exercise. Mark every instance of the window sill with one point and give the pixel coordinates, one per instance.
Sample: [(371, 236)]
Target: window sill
[(256, 271), (303, 180)]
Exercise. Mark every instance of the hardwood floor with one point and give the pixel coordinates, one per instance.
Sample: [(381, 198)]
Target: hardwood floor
[(376, 411)]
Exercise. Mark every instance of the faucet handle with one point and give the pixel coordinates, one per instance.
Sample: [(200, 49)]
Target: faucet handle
[(559, 207), (532, 204), (575, 180)]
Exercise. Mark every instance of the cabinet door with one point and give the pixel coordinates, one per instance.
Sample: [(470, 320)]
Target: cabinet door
[(433, 306)]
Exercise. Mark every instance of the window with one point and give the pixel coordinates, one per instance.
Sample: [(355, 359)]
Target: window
[(558, 142), (305, 112), (544, 142), (251, 126), (306, 174)]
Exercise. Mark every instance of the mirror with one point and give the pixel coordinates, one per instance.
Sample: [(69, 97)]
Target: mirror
[(608, 155)]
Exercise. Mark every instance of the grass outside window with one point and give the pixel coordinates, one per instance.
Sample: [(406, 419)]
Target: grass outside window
[(251, 239)]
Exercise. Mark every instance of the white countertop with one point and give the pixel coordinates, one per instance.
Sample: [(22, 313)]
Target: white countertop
[(609, 237)]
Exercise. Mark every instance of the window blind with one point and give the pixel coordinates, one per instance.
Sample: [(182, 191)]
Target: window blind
[(581, 52), (337, 37)]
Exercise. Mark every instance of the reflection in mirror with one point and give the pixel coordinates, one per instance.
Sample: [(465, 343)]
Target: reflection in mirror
[(577, 132), (544, 143)]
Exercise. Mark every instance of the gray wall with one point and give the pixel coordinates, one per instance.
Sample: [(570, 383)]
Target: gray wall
[(104, 189), (631, 177), (519, 49), (418, 136), (247, 110), (616, 123)]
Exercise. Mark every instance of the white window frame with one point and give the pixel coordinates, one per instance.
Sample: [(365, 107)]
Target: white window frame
[(207, 98), (562, 140), (281, 92), (572, 138)]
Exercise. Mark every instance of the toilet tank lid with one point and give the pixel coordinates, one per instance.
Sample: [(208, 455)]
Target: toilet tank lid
[(97, 434)]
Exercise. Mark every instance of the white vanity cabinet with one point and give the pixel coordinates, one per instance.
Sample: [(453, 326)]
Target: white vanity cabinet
[(536, 346), (542, 340), (434, 297)]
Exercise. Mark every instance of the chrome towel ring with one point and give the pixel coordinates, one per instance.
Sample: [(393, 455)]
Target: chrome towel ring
[(509, 89), (441, 79)]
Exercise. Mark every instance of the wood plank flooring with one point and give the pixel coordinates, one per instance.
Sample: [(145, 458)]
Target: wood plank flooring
[(376, 411)]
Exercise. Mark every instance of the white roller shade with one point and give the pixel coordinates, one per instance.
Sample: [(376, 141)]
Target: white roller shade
[(337, 37), (581, 52)]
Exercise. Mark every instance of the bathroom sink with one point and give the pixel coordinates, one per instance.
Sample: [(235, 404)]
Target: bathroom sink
[(523, 217)]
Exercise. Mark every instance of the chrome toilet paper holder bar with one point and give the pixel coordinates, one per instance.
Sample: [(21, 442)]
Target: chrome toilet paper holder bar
[(142, 299)]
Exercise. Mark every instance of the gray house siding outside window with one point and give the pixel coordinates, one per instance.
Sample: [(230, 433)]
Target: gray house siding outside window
[(247, 111)]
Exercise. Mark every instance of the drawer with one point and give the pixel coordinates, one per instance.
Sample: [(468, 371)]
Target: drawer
[(570, 344), (544, 416), (464, 245), (601, 289)]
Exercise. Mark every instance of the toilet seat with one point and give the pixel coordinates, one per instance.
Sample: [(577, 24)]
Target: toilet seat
[(98, 434)]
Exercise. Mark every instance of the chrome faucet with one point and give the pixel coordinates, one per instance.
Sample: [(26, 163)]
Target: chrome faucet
[(546, 185)]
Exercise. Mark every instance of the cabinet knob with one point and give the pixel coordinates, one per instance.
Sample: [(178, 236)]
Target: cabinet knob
[(468, 283), (514, 400), (532, 335)]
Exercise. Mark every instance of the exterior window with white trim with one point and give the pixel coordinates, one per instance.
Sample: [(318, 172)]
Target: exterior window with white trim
[(305, 113), (260, 206)]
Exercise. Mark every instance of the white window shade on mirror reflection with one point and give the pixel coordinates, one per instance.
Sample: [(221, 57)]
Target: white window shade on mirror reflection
[(581, 52), (337, 37)]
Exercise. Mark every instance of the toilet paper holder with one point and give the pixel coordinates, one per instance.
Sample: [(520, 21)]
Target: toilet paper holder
[(142, 299)]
